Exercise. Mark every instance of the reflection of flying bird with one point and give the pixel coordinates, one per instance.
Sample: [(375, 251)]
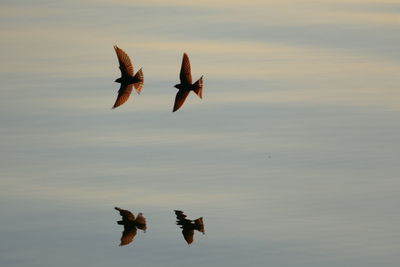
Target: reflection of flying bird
[(128, 235), (188, 226), (186, 84), (131, 224), (127, 80)]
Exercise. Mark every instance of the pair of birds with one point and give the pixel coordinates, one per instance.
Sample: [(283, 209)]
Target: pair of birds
[(132, 223), (129, 80)]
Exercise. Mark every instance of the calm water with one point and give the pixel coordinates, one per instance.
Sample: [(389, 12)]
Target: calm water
[(291, 158)]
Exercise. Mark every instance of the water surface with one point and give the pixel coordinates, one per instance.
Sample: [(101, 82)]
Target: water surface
[(291, 158)]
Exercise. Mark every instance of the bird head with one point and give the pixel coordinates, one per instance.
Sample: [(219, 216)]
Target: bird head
[(178, 86), (118, 80)]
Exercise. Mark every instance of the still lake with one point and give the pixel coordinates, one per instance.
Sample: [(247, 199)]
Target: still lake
[(292, 157)]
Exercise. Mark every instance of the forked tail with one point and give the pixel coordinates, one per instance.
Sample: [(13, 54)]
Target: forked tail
[(199, 224), (139, 85), (198, 87)]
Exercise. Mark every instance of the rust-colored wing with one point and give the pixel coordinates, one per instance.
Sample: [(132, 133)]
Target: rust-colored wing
[(123, 94), (126, 214), (185, 75), (128, 235), (188, 234), (180, 99), (125, 64)]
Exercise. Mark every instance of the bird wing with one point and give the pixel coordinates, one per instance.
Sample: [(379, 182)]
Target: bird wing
[(179, 214), (128, 235), (126, 214), (185, 75), (188, 234), (125, 64), (180, 99), (123, 94), (182, 221)]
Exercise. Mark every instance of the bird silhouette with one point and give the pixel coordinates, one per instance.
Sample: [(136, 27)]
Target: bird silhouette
[(188, 226), (186, 84), (128, 235), (131, 224), (127, 80)]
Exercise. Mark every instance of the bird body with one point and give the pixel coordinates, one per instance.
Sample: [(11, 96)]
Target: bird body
[(128, 79), (186, 84)]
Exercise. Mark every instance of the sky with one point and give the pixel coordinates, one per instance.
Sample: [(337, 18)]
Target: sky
[(291, 157)]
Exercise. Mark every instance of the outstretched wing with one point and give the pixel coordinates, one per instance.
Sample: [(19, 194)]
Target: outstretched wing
[(185, 75), (180, 215), (126, 214), (123, 94), (180, 99), (125, 64), (128, 235), (188, 234), (182, 220)]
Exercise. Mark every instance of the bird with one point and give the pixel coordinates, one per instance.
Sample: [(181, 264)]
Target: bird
[(131, 224), (188, 226), (186, 84), (127, 80)]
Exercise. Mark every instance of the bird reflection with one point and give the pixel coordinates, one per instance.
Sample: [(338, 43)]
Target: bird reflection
[(131, 224), (188, 226)]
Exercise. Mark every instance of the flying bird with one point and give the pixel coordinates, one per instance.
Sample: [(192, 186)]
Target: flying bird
[(186, 84), (188, 226), (128, 80), (131, 224)]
